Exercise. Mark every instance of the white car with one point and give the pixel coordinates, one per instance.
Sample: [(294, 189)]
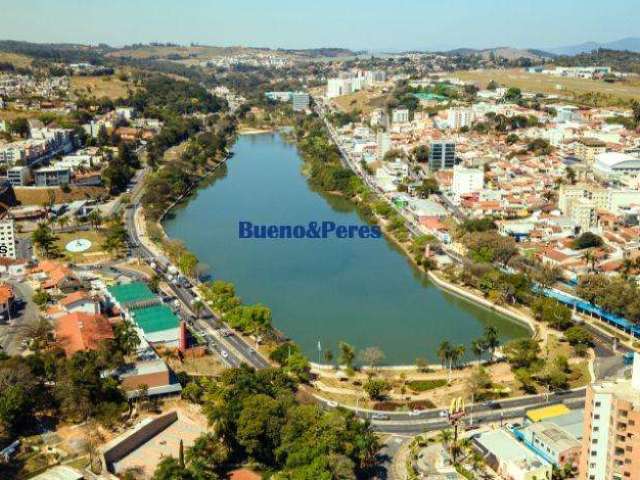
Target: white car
[(332, 404), (224, 354), (414, 413)]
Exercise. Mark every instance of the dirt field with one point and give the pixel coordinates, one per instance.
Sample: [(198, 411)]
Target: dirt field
[(535, 82), (15, 59), (102, 86), (363, 100), (39, 196), (13, 114)]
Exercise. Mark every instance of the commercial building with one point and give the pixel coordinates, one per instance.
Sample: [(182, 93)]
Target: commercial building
[(511, 459), (552, 443), (442, 155), (142, 307), (611, 443), (611, 165)]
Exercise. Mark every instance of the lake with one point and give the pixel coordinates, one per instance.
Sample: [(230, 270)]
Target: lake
[(360, 290)]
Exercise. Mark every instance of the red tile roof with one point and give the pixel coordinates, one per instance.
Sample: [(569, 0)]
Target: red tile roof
[(82, 331)]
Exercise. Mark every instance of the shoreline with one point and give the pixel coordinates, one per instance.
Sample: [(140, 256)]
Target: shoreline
[(438, 282)]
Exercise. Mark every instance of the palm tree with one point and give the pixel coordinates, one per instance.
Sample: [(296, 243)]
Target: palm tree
[(95, 219), (347, 354), (491, 340), (63, 221), (478, 347), (444, 354), (457, 354)]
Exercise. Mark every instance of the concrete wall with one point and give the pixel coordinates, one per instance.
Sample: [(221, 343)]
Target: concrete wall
[(123, 446)]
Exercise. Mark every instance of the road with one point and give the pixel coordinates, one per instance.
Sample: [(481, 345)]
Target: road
[(237, 350), (25, 316)]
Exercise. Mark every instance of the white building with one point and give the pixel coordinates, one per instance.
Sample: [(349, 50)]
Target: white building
[(466, 181), (400, 115), (384, 144), (615, 164), (458, 118), (7, 239), (337, 87)]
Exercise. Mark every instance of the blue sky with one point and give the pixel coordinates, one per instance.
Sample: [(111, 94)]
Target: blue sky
[(358, 24)]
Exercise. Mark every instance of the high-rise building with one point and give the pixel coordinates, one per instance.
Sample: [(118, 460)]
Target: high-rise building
[(466, 180), (7, 239), (458, 118), (611, 441), (400, 115), (442, 155), (383, 140)]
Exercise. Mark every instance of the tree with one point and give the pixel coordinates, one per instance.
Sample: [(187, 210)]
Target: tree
[(376, 388), (445, 354), (19, 126), (551, 311), (522, 352), (372, 356), (328, 356), (421, 153), (95, 218), (44, 239), (347, 354), (491, 340), (115, 237), (479, 383), (492, 85), (587, 240), (513, 94), (63, 221), (578, 335), (478, 347), (41, 297), (170, 469), (207, 457), (188, 263)]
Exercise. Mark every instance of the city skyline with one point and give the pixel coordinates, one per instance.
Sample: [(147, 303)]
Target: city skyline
[(358, 25)]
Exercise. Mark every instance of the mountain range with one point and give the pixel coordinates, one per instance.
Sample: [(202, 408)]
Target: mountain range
[(631, 44)]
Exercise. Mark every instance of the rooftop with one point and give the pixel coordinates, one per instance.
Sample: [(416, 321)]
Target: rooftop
[(128, 293), (155, 318), (546, 413)]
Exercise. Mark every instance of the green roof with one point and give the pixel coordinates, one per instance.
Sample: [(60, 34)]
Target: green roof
[(155, 318), (430, 96), (134, 292)]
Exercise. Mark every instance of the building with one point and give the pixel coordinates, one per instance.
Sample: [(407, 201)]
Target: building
[(511, 459), (18, 176), (552, 443), (442, 155), (300, 101), (585, 214), (400, 115), (383, 140), (588, 148), (458, 118), (142, 307), (80, 331), (7, 298), (611, 165), (611, 442), (7, 238), (60, 472), (466, 180), (278, 96), (337, 87), (52, 176)]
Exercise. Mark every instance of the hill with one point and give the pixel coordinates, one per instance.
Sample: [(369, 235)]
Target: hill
[(507, 53)]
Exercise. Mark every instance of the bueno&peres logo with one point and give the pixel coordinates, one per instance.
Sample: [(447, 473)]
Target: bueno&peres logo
[(316, 229)]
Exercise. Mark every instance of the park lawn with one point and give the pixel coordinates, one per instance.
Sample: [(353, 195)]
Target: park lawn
[(539, 83), (424, 385), (109, 86), (95, 253)]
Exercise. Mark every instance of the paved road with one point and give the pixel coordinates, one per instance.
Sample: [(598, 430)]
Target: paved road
[(25, 316)]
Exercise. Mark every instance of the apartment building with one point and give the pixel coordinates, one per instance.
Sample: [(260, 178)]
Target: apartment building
[(466, 180), (52, 176), (458, 118), (400, 115), (18, 176), (7, 238), (442, 155), (588, 148), (611, 442)]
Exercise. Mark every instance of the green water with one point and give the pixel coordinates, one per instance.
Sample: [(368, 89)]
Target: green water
[(362, 291)]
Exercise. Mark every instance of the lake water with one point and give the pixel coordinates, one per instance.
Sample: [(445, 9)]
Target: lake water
[(362, 291)]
